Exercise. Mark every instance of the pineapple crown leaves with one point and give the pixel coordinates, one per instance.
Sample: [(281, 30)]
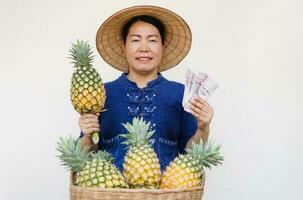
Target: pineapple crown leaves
[(206, 153), (71, 154), (103, 155), (138, 133), (81, 54)]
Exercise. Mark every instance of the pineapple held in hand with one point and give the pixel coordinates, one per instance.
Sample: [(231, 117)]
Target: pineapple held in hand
[(186, 171), (87, 90), (91, 169), (141, 166)]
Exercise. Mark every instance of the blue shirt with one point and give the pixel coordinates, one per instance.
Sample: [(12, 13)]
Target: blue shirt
[(160, 103)]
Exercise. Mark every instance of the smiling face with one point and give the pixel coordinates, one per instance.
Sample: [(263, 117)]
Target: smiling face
[(143, 48)]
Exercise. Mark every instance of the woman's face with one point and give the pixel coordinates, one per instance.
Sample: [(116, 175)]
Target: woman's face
[(143, 48)]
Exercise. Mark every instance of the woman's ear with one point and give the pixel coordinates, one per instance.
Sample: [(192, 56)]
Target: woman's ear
[(123, 48)]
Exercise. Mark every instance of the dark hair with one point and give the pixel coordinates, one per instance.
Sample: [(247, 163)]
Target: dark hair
[(144, 18)]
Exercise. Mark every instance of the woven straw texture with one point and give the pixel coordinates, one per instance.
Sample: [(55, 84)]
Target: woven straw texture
[(178, 37), (82, 193)]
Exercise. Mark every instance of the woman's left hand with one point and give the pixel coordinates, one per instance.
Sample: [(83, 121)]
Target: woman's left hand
[(202, 111)]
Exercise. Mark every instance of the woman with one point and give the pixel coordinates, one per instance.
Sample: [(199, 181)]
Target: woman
[(150, 40)]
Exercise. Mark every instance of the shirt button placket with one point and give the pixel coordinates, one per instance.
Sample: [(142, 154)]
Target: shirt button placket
[(142, 94)]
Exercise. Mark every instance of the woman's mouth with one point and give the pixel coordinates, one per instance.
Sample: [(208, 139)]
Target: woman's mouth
[(144, 59)]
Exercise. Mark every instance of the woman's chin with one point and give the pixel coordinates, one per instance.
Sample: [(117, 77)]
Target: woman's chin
[(145, 70)]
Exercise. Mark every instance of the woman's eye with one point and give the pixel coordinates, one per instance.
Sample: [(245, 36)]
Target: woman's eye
[(153, 41), (134, 40)]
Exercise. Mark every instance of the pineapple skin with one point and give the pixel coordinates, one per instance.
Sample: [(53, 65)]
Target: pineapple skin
[(141, 167), (87, 91), (101, 174), (183, 172)]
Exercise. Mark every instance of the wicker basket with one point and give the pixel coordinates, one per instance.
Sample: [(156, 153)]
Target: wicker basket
[(83, 193)]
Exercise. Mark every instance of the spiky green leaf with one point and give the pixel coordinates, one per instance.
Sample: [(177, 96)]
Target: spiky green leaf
[(138, 133), (207, 154), (81, 54), (71, 154)]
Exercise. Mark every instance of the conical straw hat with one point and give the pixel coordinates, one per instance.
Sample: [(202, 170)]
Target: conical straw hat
[(177, 44)]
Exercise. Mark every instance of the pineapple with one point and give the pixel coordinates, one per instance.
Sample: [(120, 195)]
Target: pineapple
[(141, 166), (87, 90), (90, 169), (186, 171)]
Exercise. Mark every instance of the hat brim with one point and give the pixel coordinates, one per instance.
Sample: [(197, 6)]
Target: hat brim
[(178, 37)]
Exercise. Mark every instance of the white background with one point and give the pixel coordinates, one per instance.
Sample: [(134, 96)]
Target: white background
[(252, 48)]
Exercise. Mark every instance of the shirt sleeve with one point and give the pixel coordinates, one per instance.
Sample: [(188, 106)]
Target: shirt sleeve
[(188, 129)]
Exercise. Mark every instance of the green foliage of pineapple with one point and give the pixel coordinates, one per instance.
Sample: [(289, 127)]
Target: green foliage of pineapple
[(90, 169)]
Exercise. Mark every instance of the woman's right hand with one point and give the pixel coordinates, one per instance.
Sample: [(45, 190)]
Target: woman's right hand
[(89, 123)]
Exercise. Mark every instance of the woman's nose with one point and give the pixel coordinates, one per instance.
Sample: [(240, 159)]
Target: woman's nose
[(144, 46)]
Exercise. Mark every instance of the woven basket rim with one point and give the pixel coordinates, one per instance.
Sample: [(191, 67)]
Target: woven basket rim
[(126, 190)]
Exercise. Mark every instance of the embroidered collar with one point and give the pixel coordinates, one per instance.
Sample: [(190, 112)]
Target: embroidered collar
[(124, 80)]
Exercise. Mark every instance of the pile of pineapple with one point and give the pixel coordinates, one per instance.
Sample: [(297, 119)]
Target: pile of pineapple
[(141, 168)]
